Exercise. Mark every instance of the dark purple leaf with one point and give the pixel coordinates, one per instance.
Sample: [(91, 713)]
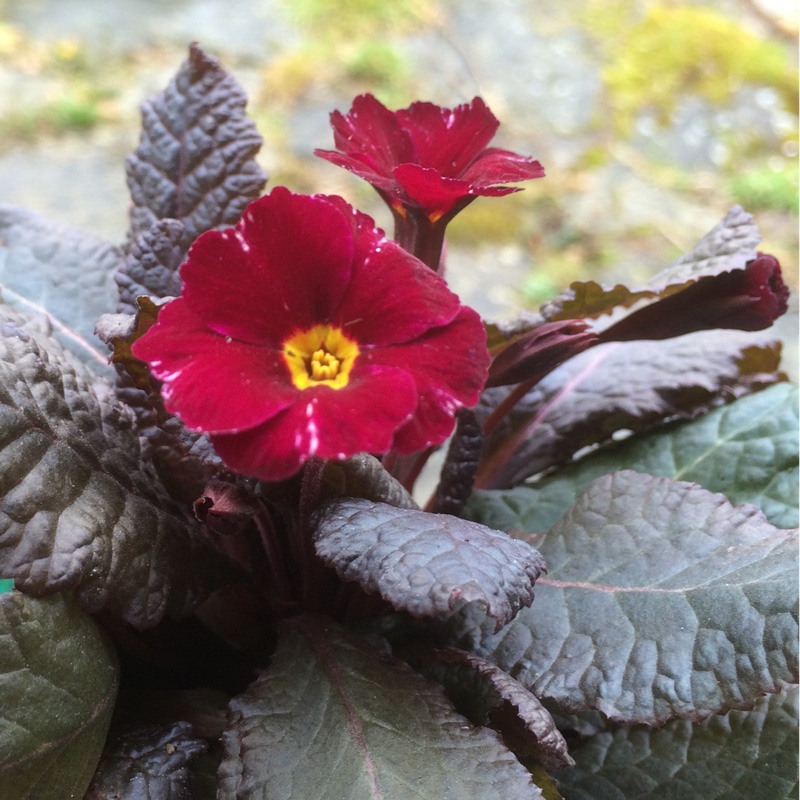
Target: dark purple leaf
[(457, 476), (488, 696), (626, 386), (530, 356), (195, 159), (429, 565), (62, 273), (728, 246), (147, 763), (151, 265), (185, 460), (662, 600), (82, 509), (364, 476), (58, 684), (748, 299), (333, 717)]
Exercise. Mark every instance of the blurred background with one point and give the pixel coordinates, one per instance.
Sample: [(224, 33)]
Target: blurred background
[(651, 117)]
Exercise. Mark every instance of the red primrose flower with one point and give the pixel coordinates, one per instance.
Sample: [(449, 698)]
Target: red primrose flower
[(303, 332)]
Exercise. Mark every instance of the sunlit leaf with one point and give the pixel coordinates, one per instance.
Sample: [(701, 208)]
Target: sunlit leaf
[(661, 600), (744, 755)]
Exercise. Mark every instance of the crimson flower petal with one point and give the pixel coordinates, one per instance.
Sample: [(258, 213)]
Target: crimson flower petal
[(446, 140), (501, 166), (448, 375), (405, 298), (285, 265), (372, 140), (213, 382), (324, 422)]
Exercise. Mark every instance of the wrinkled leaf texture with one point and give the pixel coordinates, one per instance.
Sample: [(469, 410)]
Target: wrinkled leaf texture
[(747, 450), (81, 509), (58, 682), (661, 600), (59, 272), (152, 265), (195, 159), (744, 755), (332, 717), (430, 565)]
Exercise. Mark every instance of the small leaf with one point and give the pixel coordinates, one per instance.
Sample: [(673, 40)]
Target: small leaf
[(748, 299), (625, 386), (429, 565), (662, 600), (488, 696), (147, 763), (195, 159), (744, 755), (58, 683), (539, 350), (728, 246), (747, 450), (364, 476), (457, 476), (81, 509), (120, 331), (333, 718), (61, 272), (151, 265)]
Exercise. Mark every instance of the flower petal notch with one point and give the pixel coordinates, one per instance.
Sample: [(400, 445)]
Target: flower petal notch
[(335, 340)]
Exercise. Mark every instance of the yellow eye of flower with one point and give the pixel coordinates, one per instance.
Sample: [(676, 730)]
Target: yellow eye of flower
[(320, 356)]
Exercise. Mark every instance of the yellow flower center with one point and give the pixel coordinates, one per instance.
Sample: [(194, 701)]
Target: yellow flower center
[(320, 356)]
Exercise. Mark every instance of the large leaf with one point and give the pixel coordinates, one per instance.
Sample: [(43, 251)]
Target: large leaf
[(748, 451), (744, 755), (80, 508), (625, 386), (195, 159), (58, 682), (147, 763), (60, 272), (430, 565), (333, 718), (662, 600), (728, 246)]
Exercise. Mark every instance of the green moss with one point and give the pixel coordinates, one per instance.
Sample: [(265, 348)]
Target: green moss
[(673, 51), (76, 109), (767, 189)]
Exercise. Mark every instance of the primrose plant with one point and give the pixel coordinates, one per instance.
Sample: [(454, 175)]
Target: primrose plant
[(218, 582)]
